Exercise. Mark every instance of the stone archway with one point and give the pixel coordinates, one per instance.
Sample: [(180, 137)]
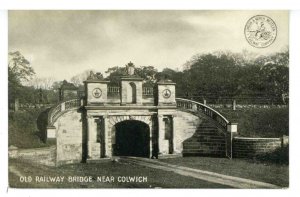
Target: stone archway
[(132, 138)]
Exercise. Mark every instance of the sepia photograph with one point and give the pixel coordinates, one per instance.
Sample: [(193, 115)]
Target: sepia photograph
[(148, 99)]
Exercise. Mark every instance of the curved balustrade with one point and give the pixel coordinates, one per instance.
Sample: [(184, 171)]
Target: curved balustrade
[(56, 111), (186, 104), (199, 107)]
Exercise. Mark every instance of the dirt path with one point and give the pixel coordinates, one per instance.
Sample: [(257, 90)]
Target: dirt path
[(232, 181)]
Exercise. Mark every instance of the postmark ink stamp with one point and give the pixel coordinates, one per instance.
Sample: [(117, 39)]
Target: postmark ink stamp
[(260, 31)]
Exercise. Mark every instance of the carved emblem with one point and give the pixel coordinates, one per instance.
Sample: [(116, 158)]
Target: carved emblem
[(166, 93), (97, 93)]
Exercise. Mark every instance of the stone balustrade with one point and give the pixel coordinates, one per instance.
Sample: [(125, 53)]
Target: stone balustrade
[(61, 107), (199, 107)]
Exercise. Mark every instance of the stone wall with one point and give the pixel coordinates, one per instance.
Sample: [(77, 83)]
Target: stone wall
[(44, 156), (251, 147), (69, 137)]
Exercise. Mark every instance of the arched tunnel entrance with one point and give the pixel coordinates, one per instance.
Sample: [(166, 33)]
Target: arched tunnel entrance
[(132, 138)]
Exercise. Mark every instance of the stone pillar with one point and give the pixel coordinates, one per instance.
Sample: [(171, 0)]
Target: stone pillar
[(150, 140), (231, 132), (93, 145), (175, 140), (51, 132), (163, 145), (108, 142), (154, 136)]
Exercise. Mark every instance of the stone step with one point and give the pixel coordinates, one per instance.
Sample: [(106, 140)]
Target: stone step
[(202, 152), (216, 132), (191, 141), (217, 141), (206, 128), (207, 152), (208, 135), (199, 150), (194, 143), (206, 140), (219, 148)]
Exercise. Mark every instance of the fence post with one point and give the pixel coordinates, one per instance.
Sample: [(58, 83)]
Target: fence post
[(63, 106), (204, 101), (51, 132), (234, 105), (16, 105), (194, 107), (230, 134), (284, 141)]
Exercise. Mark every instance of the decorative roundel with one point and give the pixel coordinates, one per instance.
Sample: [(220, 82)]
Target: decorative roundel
[(97, 92), (166, 93)]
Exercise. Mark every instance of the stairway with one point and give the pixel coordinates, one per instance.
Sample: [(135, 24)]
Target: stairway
[(206, 141)]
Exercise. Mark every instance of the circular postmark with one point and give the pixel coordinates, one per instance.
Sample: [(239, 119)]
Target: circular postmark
[(260, 31), (97, 92)]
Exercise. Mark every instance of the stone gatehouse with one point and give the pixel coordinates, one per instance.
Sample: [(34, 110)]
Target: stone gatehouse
[(133, 119)]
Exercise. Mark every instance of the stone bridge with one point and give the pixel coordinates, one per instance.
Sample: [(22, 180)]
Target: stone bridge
[(136, 120)]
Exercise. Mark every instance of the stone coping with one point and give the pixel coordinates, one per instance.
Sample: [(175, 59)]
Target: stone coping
[(255, 138), (96, 81), (166, 83), (131, 78), (129, 107)]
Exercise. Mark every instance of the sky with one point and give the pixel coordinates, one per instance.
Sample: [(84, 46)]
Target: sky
[(61, 44)]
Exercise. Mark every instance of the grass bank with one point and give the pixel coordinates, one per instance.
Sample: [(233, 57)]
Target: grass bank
[(256, 122)]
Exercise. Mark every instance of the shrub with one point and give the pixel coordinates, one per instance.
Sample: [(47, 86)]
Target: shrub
[(22, 129), (279, 156)]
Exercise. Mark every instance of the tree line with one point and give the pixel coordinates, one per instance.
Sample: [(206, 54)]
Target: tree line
[(211, 76)]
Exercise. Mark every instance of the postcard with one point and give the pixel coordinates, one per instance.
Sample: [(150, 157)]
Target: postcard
[(148, 99)]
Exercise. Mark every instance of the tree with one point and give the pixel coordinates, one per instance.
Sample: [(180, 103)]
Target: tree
[(276, 80), (19, 72), (78, 79), (211, 74), (231, 75), (148, 73), (41, 83), (19, 67)]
